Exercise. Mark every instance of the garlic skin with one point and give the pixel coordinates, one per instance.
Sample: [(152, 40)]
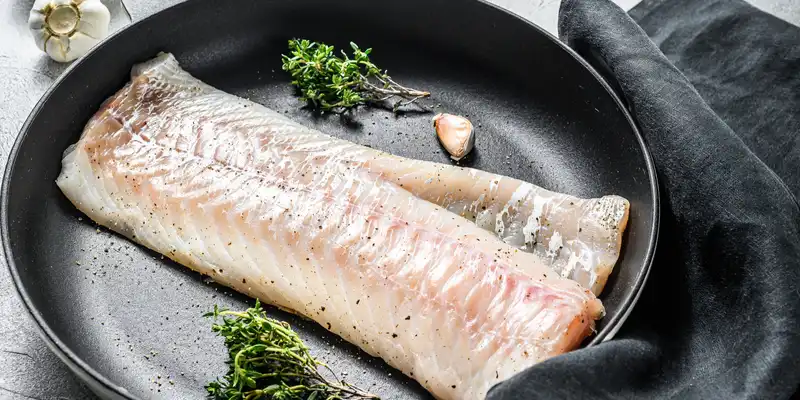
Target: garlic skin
[(67, 29), (455, 133)]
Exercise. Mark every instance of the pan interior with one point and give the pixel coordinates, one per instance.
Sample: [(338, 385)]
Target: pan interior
[(135, 318)]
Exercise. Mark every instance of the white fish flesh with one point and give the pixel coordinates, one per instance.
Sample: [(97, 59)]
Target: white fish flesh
[(269, 208), (579, 239)]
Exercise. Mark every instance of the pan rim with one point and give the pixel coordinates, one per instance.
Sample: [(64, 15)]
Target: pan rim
[(92, 376)]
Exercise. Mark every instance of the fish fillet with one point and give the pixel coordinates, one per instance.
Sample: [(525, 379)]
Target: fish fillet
[(579, 239), (229, 189)]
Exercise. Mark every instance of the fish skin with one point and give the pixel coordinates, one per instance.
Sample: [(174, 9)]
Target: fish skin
[(215, 183)]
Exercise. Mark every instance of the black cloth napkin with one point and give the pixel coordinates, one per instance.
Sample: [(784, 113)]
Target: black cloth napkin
[(720, 315)]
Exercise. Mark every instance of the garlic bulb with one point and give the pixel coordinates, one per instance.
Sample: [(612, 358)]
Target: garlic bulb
[(455, 133), (67, 29)]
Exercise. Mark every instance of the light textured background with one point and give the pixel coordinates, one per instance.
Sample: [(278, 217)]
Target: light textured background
[(28, 370)]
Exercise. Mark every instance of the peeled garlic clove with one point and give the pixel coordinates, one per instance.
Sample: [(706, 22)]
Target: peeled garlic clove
[(67, 29), (455, 133)]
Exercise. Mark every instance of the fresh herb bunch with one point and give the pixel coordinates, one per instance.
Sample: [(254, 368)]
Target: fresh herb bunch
[(268, 360), (334, 83)]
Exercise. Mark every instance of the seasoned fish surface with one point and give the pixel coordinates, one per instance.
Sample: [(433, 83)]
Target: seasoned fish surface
[(230, 189), (579, 239)]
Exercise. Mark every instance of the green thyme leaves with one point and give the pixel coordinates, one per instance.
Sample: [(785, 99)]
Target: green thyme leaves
[(333, 83), (268, 360)]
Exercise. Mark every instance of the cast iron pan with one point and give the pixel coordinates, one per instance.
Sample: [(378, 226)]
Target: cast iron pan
[(130, 324)]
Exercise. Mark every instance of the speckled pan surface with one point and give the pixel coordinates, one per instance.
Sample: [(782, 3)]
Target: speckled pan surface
[(129, 322)]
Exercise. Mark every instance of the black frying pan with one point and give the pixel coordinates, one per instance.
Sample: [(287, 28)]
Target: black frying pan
[(129, 322)]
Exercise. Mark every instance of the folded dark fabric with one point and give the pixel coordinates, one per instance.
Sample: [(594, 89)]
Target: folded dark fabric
[(720, 315), (745, 64)]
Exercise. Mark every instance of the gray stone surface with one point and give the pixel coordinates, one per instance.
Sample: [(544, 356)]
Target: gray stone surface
[(28, 370)]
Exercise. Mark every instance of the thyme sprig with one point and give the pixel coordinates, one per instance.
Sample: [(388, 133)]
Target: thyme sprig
[(338, 84), (268, 360)]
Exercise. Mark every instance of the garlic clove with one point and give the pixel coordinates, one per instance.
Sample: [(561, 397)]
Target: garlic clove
[(67, 29), (455, 133), (95, 19), (79, 44), (36, 19), (40, 36), (57, 48)]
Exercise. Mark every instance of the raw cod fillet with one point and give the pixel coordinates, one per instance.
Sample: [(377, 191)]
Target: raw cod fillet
[(579, 239), (232, 190)]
